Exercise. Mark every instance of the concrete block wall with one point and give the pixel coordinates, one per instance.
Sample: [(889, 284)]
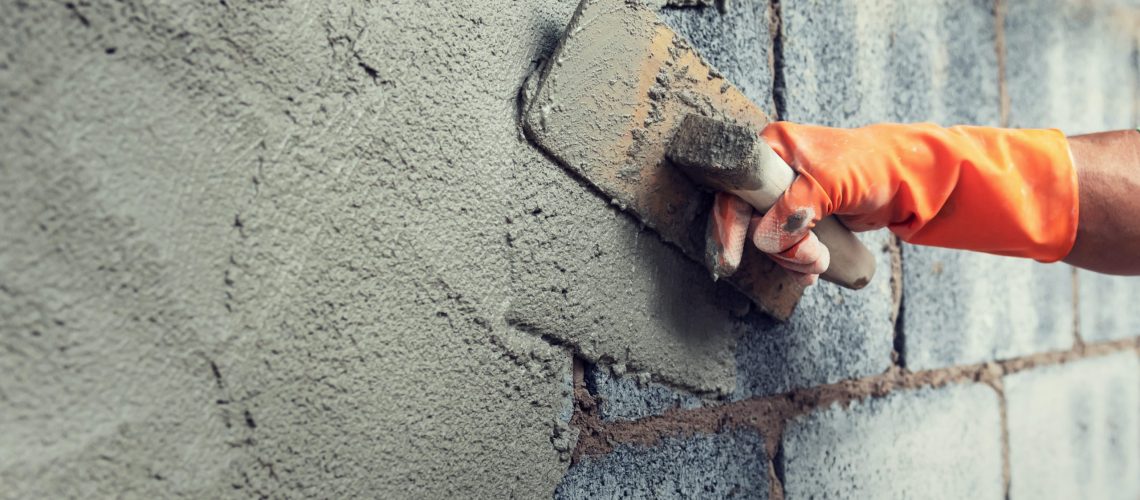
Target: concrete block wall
[(301, 249), (1072, 429), (961, 375), (908, 444)]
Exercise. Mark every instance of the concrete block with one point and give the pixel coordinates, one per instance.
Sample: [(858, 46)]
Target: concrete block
[(737, 42), (1107, 306), (1074, 429), (724, 465), (925, 443), (1070, 64), (964, 308), (854, 63), (633, 397), (850, 63), (835, 334)]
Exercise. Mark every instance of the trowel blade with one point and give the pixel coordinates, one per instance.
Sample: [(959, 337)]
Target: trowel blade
[(606, 107)]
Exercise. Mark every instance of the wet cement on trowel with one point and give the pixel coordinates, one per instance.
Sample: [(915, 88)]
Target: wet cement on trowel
[(622, 298)]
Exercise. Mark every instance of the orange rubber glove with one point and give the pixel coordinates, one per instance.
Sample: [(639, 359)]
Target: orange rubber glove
[(1002, 191)]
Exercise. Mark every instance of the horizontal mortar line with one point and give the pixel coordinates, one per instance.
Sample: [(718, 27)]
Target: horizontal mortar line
[(768, 414)]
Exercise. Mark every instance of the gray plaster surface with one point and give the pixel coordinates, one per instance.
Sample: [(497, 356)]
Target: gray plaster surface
[(260, 250), (296, 249), (589, 277), (727, 465), (943, 443), (1073, 429)]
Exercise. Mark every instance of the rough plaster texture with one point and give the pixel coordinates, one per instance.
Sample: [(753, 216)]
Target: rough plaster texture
[(728, 465), (589, 277), (295, 250), (1079, 73), (1073, 430), (262, 251), (943, 443)]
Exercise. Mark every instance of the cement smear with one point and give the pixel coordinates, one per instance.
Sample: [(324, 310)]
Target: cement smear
[(298, 250), (259, 250)]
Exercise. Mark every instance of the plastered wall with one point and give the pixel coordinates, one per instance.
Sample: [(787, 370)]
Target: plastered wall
[(300, 249)]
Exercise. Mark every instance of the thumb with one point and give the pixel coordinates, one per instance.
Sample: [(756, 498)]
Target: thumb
[(789, 220)]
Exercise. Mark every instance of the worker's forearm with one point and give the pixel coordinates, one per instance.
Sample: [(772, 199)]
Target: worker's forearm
[(1108, 179)]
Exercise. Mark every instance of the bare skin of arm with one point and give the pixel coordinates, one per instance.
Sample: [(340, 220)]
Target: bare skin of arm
[(1108, 180)]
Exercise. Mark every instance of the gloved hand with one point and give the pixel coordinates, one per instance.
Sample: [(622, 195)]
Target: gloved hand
[(1002, 191)]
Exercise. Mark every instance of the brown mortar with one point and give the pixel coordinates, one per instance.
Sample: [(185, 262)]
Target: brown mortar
[(768, 415), (1003, 410)]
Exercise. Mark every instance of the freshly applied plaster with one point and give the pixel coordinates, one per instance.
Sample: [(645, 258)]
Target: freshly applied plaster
[(296, 249), (260, 250)]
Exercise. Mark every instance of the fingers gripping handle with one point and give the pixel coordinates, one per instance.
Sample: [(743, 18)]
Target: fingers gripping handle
[(729, 157), (852, 263)]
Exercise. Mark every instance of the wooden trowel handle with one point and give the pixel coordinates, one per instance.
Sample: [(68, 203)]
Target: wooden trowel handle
[(729, 157)]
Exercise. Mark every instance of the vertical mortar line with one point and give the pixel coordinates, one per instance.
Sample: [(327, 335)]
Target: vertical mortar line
[(585, 416), (999, 46), (1136, 71), (1078, 341), (776, 474), (776, 28), (998, 386), (898, 343), (780, 103)]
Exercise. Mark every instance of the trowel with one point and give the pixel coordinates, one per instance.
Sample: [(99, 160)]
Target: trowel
[(628, 105)]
